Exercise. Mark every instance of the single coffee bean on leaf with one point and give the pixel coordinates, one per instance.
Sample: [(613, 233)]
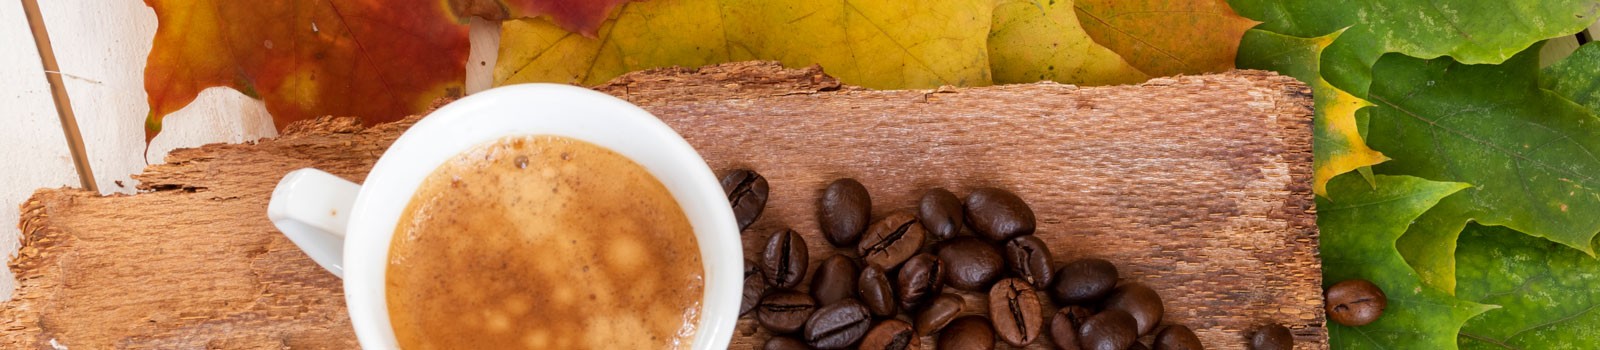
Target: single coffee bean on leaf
[(971, 264), (834, 280), (1141, 302), (1029, 258), (785, 311), (1355, 302), (877, 292), (891, 334), (755, 285), (1111, 329), (940, 312), (844, 211), (998, 215), (891, 240), (1178, 337), (1084, 281), (940, 212), (1064, 326), (1271, 337), (838, 326), (1014, 308), (920, 279), (971, 332), (784, 259), (784, 343), (747, 193)]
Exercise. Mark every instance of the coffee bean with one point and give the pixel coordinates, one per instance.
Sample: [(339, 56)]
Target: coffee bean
[(998, 215), (940, 213), (784, 259), (877, 294), (1178, 337), (940, 312), (1138, 346), (1064, 326), (1355, 302), (920, 279), (838, 326), (834, 280), (1271, 337), (844, 211), (1028, 257), (1141, 302), (785, 311), (891, 335), (967, 333), (971, 264), (891, 240), (1084, 281), (1111, 329), (747, 193), (1015, 311), (754, 286), (784, 343)]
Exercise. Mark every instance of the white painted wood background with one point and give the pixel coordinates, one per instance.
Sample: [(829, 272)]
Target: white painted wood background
[(101, 47)]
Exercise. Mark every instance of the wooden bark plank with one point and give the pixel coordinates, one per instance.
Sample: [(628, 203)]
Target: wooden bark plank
[(1195, 185)]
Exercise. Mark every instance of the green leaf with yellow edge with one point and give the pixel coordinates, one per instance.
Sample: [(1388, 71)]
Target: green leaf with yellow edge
[(1033, 40), (1576, 77), (1360, 224), (1166, 37), (1338, 145), (1546, 292)]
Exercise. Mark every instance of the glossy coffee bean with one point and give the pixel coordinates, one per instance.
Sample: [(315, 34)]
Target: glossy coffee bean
[(891, 240), (891, 335), (920, 279), (998, 215), (754, 286), (834, 280), (1271, 337), (1141, 302), (1014, 308), (967, 333), (844, 211), (1083, 281), (877, 292), (838, 326), (1178, 337), (1028, 258), (1111, 329), (784, 343), (1355, 302), (971, 264), (1064, 326), (747, 193), (940, 213), (784, 259), (940, 312), (785, 311)]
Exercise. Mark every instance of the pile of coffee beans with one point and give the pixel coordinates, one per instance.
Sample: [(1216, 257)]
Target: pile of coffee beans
[(900, 277)]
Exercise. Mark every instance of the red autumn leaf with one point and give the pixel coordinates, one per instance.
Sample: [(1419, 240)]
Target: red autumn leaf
[(377, 59), (578, 16)]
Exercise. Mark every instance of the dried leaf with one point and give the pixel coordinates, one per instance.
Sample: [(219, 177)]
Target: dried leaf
[(1033, 41), (1166, 37)]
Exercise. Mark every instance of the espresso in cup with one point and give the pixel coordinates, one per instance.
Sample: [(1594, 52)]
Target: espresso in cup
[(543, 242)]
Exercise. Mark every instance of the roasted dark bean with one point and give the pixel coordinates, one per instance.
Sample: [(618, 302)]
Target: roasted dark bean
[(1271, 337), (919, 280), (838, 326), (940, 213), (784, 259), (1029, 258), (1084, 281), (1355, 302), (1178, 337), (967, 333), (1111, 329), (1014, 309), (784, 343), (747, 193), (891, 240), (1064, 326), (844, 211), (1141, 302), (940, 312), (970, 264), (891, 335), (785, 311), (877, 293), (834, 280), (998, 215), (754, 286)]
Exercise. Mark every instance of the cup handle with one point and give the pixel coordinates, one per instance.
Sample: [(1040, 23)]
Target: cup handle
[(312, 207)]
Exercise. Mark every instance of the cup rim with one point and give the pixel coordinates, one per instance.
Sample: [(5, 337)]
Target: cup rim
[(540, 109)]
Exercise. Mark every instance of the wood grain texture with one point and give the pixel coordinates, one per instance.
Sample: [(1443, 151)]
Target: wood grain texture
[(1195, 185)]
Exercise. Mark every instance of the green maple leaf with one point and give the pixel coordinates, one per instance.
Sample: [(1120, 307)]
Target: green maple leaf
[(1576, 77), (1547, 293)]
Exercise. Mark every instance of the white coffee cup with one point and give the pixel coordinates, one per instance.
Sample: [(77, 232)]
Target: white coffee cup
[(346, 227)]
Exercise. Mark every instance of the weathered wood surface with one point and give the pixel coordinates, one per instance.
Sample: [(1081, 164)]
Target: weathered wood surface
[(1198, 186)]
